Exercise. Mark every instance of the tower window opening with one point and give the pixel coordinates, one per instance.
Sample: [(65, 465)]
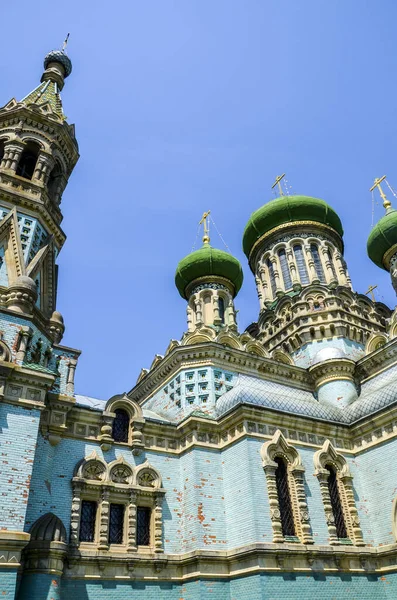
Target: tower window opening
[(318, 267), (116, 523), (221, 304), (121, 425), (143, 516), (285, 269), (301, 264), (272, 278), (28, 160), (54, 181), (1, 150), (87, 521), (336, 503), (284, 498)]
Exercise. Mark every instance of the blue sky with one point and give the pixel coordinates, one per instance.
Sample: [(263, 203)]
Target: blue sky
[(181, 106)]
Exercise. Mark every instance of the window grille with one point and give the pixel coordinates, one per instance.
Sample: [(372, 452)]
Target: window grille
[(270, 267), (284, 498), (87, 521), (285, 269), (221, 304), (143, 526), (336, 504), (329, 256), (116, 523), (301, 264), (121, 425), (318, 267)]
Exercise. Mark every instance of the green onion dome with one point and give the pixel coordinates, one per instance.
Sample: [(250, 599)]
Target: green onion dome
[(383, 238), (208, 262), (288, 209)]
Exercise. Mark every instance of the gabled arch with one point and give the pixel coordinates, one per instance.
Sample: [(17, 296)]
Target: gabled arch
[(282, 357), (271, 452), (120, 472), (330, 463), (254, 347), (147, 476), (199, 336), (91, 468), (374, 342), (228, 339)]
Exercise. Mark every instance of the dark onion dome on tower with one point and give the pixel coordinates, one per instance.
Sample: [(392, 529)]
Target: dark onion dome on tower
[(208, 262), (286, 210), (382, 241), (58, 56)]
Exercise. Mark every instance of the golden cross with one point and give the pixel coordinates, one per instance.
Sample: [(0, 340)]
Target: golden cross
[(377, 183), (278, 182), (370, 290), (65, 43), (205, 222)]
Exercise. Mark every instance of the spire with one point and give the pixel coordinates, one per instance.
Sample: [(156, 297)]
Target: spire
[(206, 226), (57, 67)]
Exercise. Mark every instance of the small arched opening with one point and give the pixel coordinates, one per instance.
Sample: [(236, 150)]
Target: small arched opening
[(54, 181), (121, 425), (1, 150), (221, 304), (28, 160)]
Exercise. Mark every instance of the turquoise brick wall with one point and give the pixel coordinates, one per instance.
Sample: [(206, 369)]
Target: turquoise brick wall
[(258, 587), (8, 578), (375, 480), (18, 437), (40, 586)]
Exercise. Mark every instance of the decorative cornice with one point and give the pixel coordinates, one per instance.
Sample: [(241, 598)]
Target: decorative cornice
[(209, 279), (332, 370)]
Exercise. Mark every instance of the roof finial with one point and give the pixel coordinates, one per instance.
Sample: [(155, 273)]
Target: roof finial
[(377, 182), (278, 182), (205, 222), (65, 43)]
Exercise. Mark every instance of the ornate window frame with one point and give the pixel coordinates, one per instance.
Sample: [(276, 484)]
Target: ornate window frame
[(278, 446), (117, 483), (327, 455), (137, 422)]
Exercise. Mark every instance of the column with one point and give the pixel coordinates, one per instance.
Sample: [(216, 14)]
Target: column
[(231, 315), (43, 167), (215, 304), (24, 336), (270, 471), (104, 520), (70, 378), (199, 310), (393, 271), (189, 312), (131, 525), (75, 516), (12, 154), (297, 473), (348, 493), (322, 476), (340, 267), (265, 285), (276, 271), (158, 524), (293, 269), (310, 263)]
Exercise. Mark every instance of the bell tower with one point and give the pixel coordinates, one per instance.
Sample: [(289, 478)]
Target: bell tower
[(38, 151)]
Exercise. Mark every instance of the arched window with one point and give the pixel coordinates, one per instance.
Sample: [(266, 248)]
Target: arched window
[(121, 425), (336, 504), (286, 488), (284, 498), (221, 304), (318, 267), (285, 269), (1, 150), (336, 485), (331, 262), (28, 160), (270, 268), (54, 181), (301, 264)]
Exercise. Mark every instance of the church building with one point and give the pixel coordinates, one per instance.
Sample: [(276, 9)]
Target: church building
[(242, 465)]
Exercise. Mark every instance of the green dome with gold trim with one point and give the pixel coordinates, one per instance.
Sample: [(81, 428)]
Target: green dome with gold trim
[(288, 209), (382, 238), (207, 262)]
